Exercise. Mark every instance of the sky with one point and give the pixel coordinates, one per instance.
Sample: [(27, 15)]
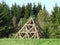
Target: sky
[(49, 4)]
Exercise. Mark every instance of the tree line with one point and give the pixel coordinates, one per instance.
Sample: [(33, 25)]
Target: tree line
[(14, 17)]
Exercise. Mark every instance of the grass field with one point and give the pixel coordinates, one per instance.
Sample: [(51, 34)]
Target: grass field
[(29, 41)]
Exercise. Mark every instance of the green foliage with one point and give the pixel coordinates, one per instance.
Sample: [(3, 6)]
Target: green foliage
[(28, 10), (54, 31), (12, 19), (21, 23), (56, 14), (34, 12), (4, 19), (39, 7), (42, 19), (22, 11)]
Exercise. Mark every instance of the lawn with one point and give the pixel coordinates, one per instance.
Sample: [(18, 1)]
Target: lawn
[(29, 41)]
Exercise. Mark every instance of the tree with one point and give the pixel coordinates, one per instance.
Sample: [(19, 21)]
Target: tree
[(55, 17), (4, 19), (28, 10), (34, 10), (39, 7), (19, 13), (59, 15), (22, 11), (14, 21), (42, 21), (16, 11), (55, 14)]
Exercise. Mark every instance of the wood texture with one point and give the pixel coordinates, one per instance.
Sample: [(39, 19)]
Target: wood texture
[(29, 30)]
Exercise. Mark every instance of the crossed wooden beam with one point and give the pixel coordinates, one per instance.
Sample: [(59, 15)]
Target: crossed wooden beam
[(29, 30)]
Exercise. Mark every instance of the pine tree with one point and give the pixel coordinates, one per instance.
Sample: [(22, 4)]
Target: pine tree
[(14, 10), (55, 14), (28, 10), (4, 19), (34, 10), (54, 25), (22, 11), (19, 13), (42, 21), (39, 7), (42, 18)]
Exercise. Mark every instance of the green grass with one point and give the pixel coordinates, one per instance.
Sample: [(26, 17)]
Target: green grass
[(29, 41)]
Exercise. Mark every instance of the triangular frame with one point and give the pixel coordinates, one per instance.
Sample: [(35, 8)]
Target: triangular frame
[(29, 30)]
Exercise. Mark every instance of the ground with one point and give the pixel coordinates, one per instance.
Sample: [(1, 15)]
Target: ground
[(29, 41)]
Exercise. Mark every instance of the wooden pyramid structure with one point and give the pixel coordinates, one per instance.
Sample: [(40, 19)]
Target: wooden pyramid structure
[(29, 30)]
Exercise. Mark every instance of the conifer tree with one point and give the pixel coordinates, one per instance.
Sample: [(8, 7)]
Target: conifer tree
[(28, 10), (4, 19), (39, 7), (34, 10)]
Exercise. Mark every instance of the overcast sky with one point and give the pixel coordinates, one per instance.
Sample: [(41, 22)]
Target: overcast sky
[(49, 4)]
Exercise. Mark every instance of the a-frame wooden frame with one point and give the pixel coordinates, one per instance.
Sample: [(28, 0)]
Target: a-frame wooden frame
[(29, 30)]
